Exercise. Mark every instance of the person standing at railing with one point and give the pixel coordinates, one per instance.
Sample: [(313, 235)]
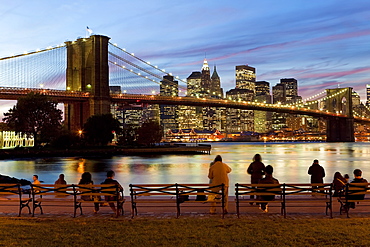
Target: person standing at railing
[(218, 173), (256, 169), (317, 173)]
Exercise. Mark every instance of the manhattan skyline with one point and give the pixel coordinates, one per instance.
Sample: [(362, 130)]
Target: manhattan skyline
[(321, 44)]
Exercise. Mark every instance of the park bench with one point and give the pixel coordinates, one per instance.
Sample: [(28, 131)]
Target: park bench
[(286, 195), (351, 191), (174, 195), (307, 195), (98, 193), (244, 191), (10, 193), (70, 195)]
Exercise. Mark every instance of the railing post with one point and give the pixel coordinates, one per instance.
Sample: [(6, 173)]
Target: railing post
[(133, 205), (223, 200), (177, 200), (283, 208), (237, 199)]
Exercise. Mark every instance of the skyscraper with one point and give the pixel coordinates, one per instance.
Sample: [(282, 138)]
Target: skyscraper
[(245, 77), (216, 90), (238, 120), (205, 79), (279, 93), (262, 119), (291, 86), (191, 117), (194, 84), (169, 113)]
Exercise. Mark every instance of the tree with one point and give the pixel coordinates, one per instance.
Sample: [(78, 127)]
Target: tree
[(99, 129), (129, 136), (35, 114), (149, 133)]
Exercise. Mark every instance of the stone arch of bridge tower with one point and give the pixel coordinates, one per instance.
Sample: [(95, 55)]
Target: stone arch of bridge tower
[(339, 100)]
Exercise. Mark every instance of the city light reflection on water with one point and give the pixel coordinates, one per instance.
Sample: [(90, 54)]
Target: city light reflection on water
[(290, 162)]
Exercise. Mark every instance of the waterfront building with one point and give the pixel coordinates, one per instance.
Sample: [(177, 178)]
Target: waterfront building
[(245, 77), (150, 114), (11, 139), (191, 117), (212, 116), (169, 113), (262, 119), (238, 120), (192, 135)]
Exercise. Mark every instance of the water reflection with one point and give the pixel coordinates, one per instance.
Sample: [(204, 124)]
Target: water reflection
[(290, 162)]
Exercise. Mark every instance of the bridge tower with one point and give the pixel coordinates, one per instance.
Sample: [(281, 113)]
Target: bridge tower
[(87, 71), (339, 100)]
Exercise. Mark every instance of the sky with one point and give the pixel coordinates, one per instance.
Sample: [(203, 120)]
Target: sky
[(323, 44)]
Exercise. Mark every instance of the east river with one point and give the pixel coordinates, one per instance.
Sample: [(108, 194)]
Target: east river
[(290, 162)]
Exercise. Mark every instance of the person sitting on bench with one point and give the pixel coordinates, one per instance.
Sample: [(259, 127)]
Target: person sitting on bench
[(357, 180)]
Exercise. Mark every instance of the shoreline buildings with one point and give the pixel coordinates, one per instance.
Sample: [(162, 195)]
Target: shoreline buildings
[(197, 123)]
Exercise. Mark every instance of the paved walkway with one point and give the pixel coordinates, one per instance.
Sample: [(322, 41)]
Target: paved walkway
[(187, 210)]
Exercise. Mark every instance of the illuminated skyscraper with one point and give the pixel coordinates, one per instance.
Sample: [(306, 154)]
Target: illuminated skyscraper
[(238, 120), (245, 77), (291, 86), (191, 117), (194, 84), (169, 113), (262, 119), (279, 93), (205, 79), (368, 94), (216, 90)]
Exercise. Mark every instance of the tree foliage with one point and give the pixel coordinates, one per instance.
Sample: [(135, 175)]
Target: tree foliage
[(129, 136), (99, 129), (149, 133), (35, 114)]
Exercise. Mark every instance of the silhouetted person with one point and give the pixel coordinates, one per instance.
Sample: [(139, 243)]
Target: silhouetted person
[(359, 182), (339, 183), (87, 179), (346, 177), (268, 179), (60, 180), (218, 173), (317, 173), (256, 169), (110, 180)]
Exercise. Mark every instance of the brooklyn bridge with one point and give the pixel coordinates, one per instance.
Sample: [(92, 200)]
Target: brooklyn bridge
[(79, 74)]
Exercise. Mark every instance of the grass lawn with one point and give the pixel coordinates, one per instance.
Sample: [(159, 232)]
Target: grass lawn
[(184, 232)]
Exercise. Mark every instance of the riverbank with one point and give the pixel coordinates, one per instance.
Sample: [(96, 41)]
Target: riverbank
[(104, 151)]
